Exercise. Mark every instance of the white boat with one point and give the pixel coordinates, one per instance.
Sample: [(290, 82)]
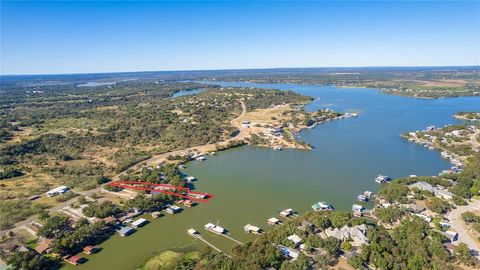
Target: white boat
[(277, 148)]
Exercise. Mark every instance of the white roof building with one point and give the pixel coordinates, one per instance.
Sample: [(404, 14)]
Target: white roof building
[(56, 191)]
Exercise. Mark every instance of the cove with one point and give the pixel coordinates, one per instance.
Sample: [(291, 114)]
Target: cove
[(252, 184)]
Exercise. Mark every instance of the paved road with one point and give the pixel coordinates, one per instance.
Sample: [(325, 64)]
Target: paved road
[(455, 217)]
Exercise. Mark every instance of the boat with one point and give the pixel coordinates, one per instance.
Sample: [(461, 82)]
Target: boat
[(321, 206), (277, 148), (382, 179)]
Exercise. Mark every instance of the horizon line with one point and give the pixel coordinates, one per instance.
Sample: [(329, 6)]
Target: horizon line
[(231, 69)]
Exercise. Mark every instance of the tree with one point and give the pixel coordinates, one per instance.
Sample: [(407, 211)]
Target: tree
[(54, 226), (30, 260)]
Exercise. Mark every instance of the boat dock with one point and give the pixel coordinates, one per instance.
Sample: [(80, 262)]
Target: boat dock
[(196, 235), (220, 231), (233, 239)]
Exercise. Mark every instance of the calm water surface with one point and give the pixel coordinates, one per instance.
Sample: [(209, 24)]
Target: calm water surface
[(252, 184)]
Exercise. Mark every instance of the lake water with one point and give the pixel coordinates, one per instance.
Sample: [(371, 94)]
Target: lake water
[(186, 93), (252, 184)]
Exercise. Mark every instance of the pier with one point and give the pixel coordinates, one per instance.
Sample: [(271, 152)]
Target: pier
[(231, 238), (197, 235)]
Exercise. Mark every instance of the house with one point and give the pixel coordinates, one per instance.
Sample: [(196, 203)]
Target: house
[(139, 222), (451, 235), (9, 247), (110, 220), (295, 239), (44, 247), (273, 221), (424, 217), (124, 231), (440, 193), (90, 249), (357, 234), (306, 225), (423, 186), (246, 124), (57, 191), (75, 260), (413, 207)]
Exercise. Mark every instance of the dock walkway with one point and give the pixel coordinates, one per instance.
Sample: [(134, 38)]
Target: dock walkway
[(199, 237)]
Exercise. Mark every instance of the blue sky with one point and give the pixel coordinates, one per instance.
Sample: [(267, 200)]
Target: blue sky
[(81, 37)]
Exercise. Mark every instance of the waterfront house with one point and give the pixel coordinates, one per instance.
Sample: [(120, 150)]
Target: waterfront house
[(139, 222), (44, 247), (295, 239), (124, 231), (90, 250), (306, 225), (57, 191), (273, 221), (423, 186), (286, 213), (357, 234)]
